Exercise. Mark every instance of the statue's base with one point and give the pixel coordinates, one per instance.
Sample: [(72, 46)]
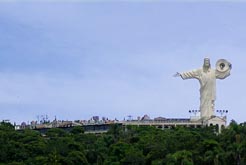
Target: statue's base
[(219, 122)]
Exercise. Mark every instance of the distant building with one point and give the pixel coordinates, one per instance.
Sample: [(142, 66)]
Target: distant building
[(159, 118), (23, 125), (145, 117), (95, 118)]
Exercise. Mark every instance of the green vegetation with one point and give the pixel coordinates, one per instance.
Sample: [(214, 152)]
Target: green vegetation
[(124, 146)]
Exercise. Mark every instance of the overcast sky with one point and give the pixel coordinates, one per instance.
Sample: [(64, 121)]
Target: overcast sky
[(75, 60)]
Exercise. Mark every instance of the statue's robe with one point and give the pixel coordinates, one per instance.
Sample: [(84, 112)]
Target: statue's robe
[(207, 79)]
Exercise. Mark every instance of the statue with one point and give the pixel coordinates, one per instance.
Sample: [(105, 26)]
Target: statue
[(207, 78)]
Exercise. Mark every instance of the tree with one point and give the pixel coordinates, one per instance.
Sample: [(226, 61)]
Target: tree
[(75, 158), (77, 130), (183, 157)]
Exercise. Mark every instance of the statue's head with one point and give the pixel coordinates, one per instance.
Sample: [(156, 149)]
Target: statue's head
[(206, 63)]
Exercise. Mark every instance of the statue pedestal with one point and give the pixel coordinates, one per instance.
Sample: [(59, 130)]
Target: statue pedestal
[(217, 121)]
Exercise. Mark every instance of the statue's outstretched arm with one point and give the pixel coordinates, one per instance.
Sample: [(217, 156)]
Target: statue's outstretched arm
[(189, 75)]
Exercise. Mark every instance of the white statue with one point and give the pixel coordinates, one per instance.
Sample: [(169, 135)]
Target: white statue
[(207, 78)]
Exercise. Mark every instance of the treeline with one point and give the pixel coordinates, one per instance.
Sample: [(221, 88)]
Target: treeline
[(126, 146)]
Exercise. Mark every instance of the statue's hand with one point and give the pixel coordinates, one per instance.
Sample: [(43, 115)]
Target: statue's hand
[(177, 74)]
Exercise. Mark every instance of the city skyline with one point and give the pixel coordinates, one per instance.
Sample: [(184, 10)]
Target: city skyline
[(75, 60)]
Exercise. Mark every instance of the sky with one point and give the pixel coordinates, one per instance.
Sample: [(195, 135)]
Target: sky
[(76, 59)]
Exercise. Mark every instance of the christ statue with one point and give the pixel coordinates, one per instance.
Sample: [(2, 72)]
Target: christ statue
[(207, 79)]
